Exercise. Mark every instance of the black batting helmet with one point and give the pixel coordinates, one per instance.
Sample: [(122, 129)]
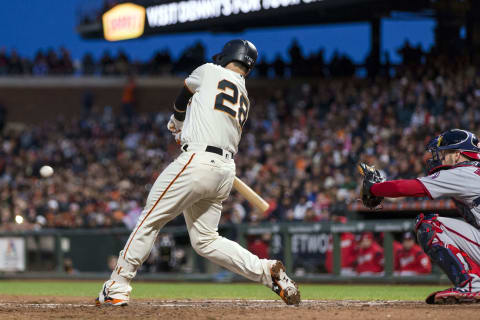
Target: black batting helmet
[(242, 51)]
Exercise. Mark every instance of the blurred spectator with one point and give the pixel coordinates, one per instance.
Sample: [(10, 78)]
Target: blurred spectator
[(122, 64), (40, 66), (296, 59), (411, 55), (279, 66), (161, 63), (301, 208), (259, 245), (65, 63), (129, 97), (348, 247), (262, 67), (53, 62), (88, 64), (341, 66), (411, 260), (68, 266), (107, 64), (165, 256), (316, 64), (190, 58), (397, 246), (369, 256), (88, 101), (3, 117), (15, 63), (166, 260), (4, 61)]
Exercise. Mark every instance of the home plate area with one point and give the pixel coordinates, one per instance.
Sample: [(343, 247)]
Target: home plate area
[(30, 307)]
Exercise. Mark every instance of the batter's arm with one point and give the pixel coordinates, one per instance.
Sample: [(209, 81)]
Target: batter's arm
[(181, 103)]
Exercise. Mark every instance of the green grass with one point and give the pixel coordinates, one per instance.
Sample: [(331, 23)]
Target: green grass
[(157, 290)]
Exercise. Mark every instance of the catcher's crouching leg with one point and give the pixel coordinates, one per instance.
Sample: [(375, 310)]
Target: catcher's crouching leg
[(459, 268)]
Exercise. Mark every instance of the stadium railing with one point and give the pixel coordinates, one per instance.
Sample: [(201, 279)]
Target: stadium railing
[(45, 251)]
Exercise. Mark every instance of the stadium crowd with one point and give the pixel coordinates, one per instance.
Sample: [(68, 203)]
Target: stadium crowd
[(52, 62), (298, 64), (299, 148)]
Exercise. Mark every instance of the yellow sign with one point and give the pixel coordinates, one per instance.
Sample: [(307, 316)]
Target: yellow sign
[(124, 21)]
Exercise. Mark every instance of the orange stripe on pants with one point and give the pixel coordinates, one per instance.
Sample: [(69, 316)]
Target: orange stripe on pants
[(160, 198)]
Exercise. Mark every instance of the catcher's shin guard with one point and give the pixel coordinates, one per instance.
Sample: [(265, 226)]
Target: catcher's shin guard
[(468, 291), (427, 229)]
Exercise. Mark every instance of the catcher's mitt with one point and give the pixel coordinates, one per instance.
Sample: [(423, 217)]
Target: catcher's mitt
[(370, 177)]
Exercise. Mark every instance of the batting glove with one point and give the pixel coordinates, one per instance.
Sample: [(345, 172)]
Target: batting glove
[(174, 125), (178, 137)]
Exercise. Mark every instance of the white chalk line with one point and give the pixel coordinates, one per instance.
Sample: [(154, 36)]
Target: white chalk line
[(219, 303)]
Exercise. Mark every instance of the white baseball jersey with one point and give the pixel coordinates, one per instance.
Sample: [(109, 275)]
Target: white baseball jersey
[(462, 183), (218, 108)]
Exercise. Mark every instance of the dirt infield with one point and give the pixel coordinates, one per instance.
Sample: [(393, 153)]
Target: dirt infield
[(29, 307)]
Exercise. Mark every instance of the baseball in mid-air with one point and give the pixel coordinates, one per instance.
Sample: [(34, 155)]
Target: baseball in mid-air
[(46, 171)]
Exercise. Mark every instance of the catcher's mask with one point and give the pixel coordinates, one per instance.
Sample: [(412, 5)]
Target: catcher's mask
[(455, 139)]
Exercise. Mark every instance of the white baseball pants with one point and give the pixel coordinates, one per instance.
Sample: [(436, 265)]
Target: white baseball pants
[(196, 183)]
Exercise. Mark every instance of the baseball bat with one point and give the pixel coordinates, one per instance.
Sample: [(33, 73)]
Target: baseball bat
[(250, 195)]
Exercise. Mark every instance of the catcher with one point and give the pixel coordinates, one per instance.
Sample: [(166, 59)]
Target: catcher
[(453, 244)]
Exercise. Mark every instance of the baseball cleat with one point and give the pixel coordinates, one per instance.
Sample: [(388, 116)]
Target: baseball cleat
[(453, 296), (104, 299), (111, 302), (282, 285)]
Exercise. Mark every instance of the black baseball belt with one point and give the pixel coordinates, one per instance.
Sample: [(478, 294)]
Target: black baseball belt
[(213, 149)]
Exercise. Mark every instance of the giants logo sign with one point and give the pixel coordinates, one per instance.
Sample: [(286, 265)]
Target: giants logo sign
[(124, 21)]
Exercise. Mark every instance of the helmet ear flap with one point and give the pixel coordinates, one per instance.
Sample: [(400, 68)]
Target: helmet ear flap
[(218, 58)]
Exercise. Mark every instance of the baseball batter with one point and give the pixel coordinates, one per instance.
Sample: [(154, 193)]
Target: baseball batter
[(453, 244), (209, 114)]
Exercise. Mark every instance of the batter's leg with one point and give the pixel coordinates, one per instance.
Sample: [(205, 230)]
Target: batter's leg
[(202, 223), (170, 194)]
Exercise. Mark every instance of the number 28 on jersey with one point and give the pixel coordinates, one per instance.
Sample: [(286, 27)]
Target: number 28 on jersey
[(234, 102)]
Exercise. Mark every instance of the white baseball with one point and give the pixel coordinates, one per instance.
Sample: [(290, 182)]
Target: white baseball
[(46, 171)]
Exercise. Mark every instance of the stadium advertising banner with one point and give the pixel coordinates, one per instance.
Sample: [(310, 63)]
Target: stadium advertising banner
[(129, 20), (137, 18), (12, 254), (196, 10), (124, 21)]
